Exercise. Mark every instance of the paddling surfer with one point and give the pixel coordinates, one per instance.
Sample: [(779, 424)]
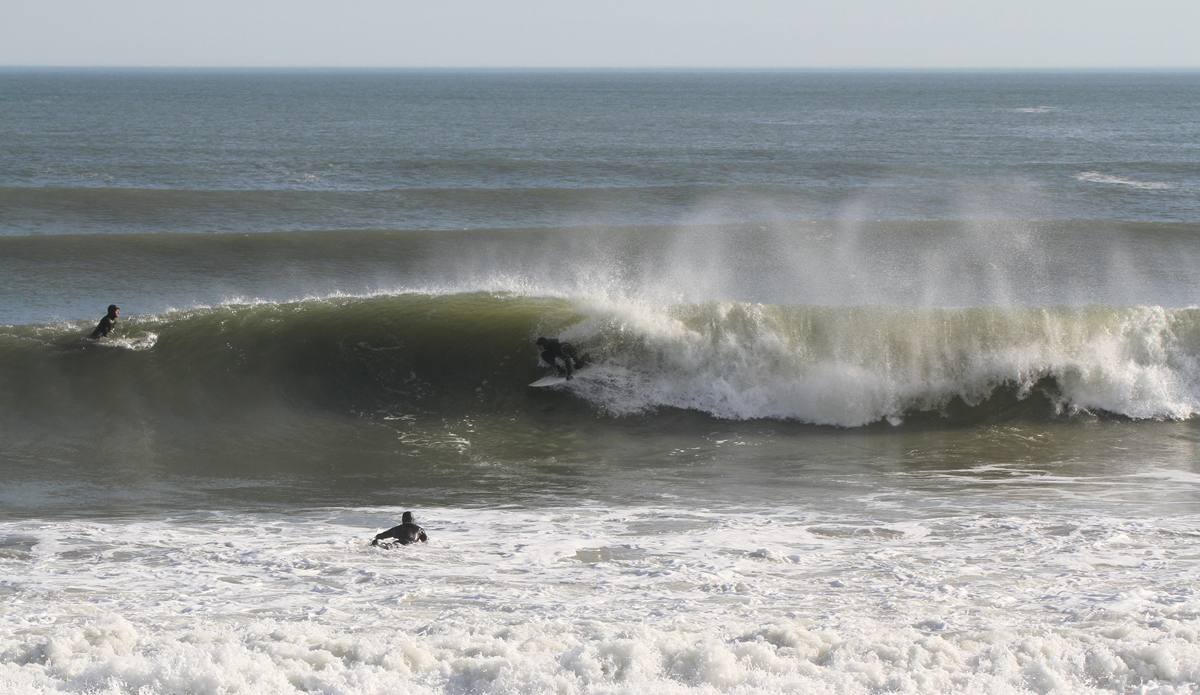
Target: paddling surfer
[(107, 323), (407, 532), (561, 356)]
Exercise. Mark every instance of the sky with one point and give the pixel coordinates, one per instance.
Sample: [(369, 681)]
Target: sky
[(606, 34)]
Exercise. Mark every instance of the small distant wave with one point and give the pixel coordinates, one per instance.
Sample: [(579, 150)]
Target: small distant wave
[(1097, 177), (1035, 109)]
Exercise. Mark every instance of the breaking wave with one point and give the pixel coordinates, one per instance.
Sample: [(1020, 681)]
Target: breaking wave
[(460, 354)]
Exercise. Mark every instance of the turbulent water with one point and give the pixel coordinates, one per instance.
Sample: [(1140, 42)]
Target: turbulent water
[(895, 386)]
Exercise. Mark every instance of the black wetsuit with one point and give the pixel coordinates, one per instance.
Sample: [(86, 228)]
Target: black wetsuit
[(555, 349), (405, 533), (106, 325)]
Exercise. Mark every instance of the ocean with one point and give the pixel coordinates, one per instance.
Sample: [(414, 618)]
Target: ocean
[(896, 382)]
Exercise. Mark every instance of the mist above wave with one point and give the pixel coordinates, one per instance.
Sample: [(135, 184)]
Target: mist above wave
[(831, 262)]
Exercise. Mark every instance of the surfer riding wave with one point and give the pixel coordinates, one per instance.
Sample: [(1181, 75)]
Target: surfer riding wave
[(560, 356)]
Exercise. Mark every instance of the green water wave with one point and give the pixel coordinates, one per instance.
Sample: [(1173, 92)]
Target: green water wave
[(458, 355)]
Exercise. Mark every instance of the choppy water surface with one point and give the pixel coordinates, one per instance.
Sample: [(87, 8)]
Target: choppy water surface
[(896, 382)]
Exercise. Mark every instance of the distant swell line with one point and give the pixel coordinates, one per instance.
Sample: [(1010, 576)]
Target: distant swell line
[(86, 209), (1097, 177)]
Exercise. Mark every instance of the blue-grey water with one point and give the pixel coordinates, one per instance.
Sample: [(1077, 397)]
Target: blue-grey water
[(896, 383)]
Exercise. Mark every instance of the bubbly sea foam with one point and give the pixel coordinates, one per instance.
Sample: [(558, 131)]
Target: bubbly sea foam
[(587, 600)]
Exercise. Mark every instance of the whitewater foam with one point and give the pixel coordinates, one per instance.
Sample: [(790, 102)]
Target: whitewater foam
[(143, 341), (582, 600), (853, 366)]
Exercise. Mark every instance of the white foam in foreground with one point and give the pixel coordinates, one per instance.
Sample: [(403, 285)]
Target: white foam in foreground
[(589, 601)]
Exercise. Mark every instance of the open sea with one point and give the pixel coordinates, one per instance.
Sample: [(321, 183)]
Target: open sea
[(898, 382)]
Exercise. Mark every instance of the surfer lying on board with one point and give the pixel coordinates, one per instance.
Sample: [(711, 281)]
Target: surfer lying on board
[(106, 324), (407, 532), (561, 356)]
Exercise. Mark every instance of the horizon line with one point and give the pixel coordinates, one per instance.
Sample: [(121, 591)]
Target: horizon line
[(665, 68)]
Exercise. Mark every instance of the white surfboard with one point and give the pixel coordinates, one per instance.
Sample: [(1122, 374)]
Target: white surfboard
[(552, 380)]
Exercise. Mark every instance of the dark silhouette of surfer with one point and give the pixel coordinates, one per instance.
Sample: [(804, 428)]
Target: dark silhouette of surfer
[(561, 356), (407, 532), (107, 323)]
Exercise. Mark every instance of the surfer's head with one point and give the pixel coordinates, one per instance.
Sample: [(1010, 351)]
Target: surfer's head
[(113, 310), (541, 342), (407, 518)]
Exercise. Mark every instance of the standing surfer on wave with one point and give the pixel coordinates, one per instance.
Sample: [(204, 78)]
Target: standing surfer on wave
[(106, 324), (407, 532), (560, 356)]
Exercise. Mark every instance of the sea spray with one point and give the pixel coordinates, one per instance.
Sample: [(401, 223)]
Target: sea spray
[(925, 263)]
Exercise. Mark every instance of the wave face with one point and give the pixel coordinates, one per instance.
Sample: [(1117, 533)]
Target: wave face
[(458, 355)]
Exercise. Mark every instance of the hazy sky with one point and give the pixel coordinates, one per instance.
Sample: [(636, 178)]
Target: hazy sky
[(605, 33)]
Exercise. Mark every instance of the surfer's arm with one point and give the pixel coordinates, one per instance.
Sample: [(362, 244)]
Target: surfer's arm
[(390, 533)]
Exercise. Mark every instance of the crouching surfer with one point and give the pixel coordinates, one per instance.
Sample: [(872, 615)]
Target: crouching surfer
[(561, 356), (407, 532), (106, 324)]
